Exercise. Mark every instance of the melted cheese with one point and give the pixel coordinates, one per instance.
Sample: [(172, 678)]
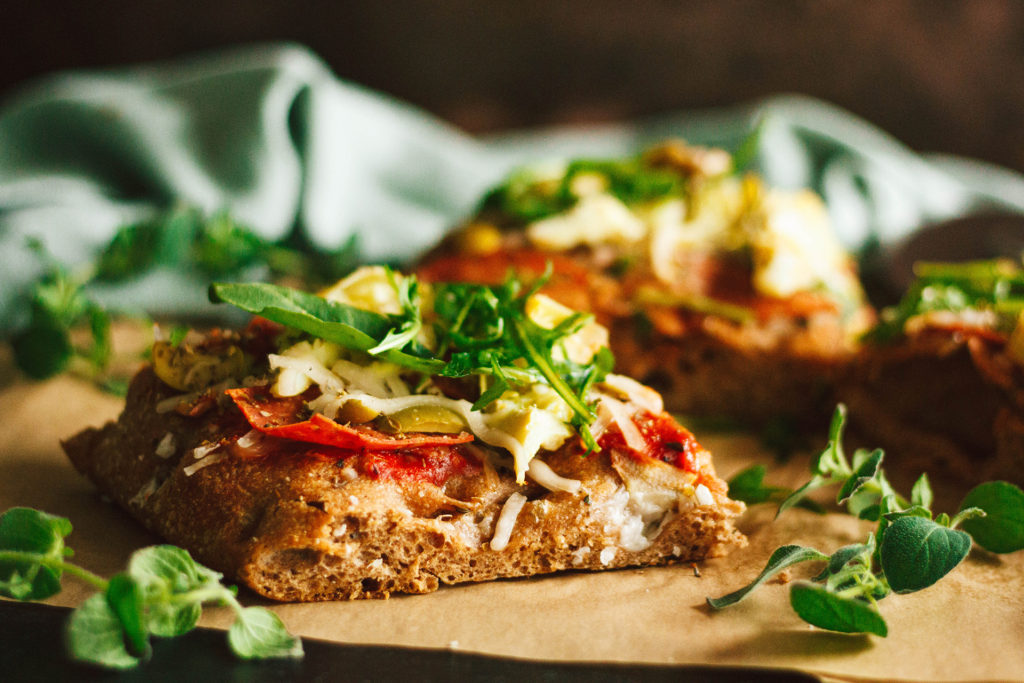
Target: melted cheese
[(595, 219)]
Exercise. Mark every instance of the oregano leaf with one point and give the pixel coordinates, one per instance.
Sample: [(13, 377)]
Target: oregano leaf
[(28, 530), (259, 633), (865, 472), (916, 552), (1001, 530), (782, 558), (818, 606), (95, 635)]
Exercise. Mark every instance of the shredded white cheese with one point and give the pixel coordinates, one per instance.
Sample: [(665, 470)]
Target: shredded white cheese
[(607, 555), (618, 413), (167, 446), (507, 521), (202, 451), (144, 493), (703, 495), (211, 459), (249, 439), (542, 473), (636, 393)]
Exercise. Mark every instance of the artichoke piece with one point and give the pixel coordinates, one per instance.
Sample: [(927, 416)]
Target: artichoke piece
[(186, 369)]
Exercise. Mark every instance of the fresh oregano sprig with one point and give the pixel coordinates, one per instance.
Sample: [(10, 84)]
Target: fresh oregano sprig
[(160, 594), (181, 238), (909, 550)]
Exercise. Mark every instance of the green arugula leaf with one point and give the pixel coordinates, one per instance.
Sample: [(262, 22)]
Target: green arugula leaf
[(784, 557), (1001, 530), (915, 552), (411, 321), (348, 326), (40, 537), (818, 606), (995, 285), (95, 635), (258, 633)]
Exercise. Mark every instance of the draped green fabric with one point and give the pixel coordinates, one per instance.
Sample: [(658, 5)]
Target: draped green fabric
[(270, 135)]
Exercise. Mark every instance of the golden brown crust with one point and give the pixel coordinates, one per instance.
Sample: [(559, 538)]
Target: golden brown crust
[(302, 528)]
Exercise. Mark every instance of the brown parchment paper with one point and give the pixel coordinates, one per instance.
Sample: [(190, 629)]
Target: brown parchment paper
[(970, 626)]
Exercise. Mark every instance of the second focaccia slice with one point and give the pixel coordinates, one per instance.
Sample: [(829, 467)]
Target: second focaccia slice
[(941, 379), (729, 297), (316, 470)]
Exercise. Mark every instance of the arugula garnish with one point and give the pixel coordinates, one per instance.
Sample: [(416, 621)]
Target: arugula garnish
[(996, 285), (160, 594), (909, 550), (528, 196), (481, 330)]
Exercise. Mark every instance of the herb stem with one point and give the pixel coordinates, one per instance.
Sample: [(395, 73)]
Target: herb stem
[(95, 580), (556, 381)]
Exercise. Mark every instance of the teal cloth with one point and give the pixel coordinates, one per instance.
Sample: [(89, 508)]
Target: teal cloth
[(269, 134)]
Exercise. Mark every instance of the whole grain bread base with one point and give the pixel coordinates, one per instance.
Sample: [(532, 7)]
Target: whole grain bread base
[(296, 528)]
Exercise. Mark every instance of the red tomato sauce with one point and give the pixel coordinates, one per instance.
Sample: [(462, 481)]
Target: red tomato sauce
[(665, 440), (434, 464)]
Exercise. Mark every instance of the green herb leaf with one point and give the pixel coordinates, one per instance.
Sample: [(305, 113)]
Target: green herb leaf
[(95, 635), (841, 557), (124, 596), (784, 557), (921, 493), (133, 249), (866, 471), (915, 552), (1001, 530), (818, 606), (830, 465), (258, 633), (31, 531), (43, 349), (348, 326), (163, 573), (748, 486)]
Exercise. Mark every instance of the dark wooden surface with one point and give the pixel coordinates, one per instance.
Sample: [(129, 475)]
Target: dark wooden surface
[(942, 75), (31, 650)]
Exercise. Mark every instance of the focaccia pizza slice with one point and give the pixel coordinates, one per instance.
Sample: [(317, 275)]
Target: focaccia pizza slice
[(390, 437), (941, 379), (729, 297)]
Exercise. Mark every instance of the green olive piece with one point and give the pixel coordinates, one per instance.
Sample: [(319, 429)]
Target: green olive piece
[(186, 369), (354, 411), (427, 419)]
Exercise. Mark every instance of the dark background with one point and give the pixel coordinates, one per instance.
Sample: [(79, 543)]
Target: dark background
[(941, 75)]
